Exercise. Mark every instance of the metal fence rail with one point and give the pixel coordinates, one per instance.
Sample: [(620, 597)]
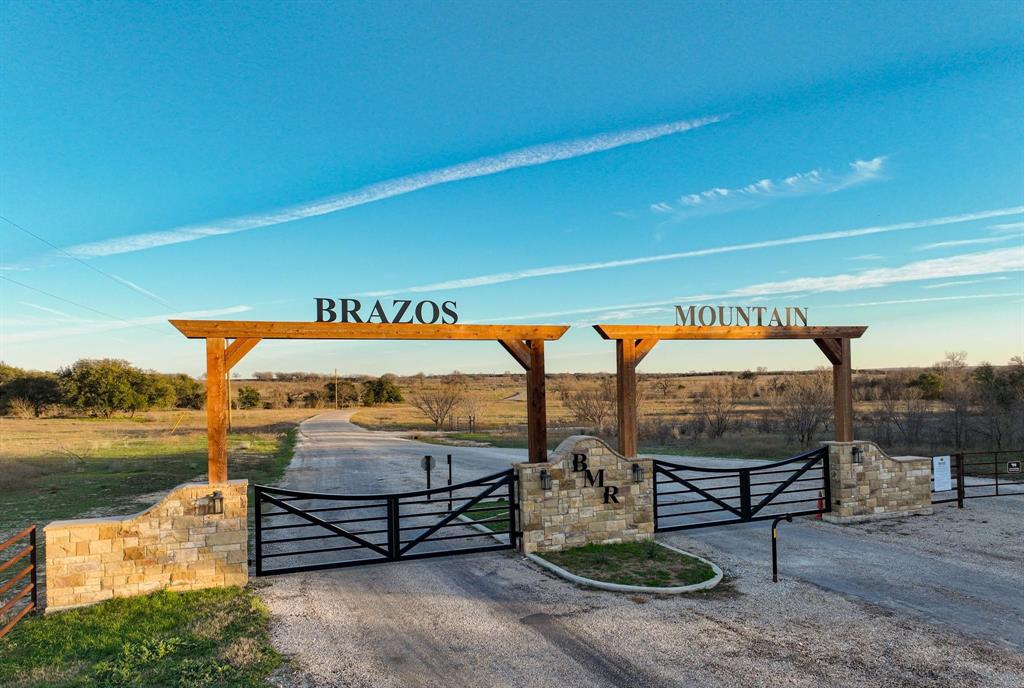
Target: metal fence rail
[(687, 496), (14, 571), (981, 474), (303, 531)]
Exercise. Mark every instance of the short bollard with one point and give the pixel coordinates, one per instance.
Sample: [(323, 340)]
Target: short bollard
[(775, 549)]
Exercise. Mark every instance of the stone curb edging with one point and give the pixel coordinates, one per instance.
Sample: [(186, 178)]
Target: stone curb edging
[(500, 537), (619, 587), (613, 587)]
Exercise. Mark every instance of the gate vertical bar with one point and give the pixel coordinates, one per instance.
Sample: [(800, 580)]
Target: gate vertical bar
[(449, 482), (995, 470), (394, 543), (745, 492), (826, 474), (654, 490), (35, 569), (512, 506), (961, 490), (258, 518)]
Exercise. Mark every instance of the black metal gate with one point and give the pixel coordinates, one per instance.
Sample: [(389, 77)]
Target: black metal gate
[(304, 531), (687, 496), (983, 474)]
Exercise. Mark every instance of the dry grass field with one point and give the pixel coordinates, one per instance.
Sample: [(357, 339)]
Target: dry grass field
[(53, 468)]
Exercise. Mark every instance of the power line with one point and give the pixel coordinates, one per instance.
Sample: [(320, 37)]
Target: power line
[(79, 305), (113, 278)]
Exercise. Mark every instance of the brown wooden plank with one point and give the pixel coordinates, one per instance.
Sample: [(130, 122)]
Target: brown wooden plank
[(635, 332), (832, 348), (17, 617), (519, 350), (643, 347), (242, 329), (625, 365), (237, 350), (14, 600), (17, 577), (14, 538), (842, 390), (17, 557), (536, 404), (216, 412)]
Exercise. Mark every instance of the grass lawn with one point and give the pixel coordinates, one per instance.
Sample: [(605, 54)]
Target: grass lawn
[(112, 476), (632, 563), (491, 508), (212, 637)]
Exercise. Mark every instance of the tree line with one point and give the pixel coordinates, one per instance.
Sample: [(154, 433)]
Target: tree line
[(99, 387)]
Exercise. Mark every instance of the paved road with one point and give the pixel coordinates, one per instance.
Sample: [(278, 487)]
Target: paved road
[(425, 620)]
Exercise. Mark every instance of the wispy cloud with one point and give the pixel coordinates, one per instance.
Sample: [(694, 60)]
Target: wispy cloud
[(523, 157), (46, 309), (1008, 226), (97, 326), (967, 242), (984, 262), (529, 273), (817, 181), (867, 256), (958, 283), (141, 290)]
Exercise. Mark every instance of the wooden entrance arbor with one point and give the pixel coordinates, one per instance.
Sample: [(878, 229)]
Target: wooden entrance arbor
[(524, 342), (634, 342)]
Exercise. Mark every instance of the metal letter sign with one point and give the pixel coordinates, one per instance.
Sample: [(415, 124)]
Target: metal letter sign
[(940, 469), (1013, 466)]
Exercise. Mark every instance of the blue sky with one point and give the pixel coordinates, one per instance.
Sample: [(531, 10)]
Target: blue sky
[(568, 163)]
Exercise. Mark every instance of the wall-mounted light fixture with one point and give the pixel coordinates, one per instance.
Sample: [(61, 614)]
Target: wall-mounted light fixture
[(211, 504), (638, 473), (545, 479), (858, 454)]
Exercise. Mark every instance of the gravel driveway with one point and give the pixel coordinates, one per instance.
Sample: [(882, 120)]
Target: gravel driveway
[(496, 620)]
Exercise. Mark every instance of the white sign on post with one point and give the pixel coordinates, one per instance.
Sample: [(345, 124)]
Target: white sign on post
[(940, 470)]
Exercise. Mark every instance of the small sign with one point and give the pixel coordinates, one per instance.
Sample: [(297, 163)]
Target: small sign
[(427, 463), (940, 470), (1013, 466)]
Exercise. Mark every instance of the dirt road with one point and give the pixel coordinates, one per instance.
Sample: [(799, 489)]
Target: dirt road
[(495, 620)]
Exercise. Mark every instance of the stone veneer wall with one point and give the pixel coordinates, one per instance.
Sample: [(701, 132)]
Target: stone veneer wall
[(878, 487), (573, 512), (170, 545)]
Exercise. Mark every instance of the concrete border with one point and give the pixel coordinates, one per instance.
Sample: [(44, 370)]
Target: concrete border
[(618, 587)]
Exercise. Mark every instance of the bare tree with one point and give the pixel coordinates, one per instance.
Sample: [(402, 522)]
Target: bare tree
[(471, 405), (590, 406), (956, 394), (803, 404), (718, 404), (438, 403), (902, 407)]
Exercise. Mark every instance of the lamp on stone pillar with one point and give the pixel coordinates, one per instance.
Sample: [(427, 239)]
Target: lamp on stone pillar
[(858, 454), (545, 479), (638, 473)]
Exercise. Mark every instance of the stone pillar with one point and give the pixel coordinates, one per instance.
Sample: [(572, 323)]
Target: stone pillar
[(175, 544), (592, 499), (868, 485)]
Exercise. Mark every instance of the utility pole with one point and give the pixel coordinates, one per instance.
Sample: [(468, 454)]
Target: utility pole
[(335, 389)]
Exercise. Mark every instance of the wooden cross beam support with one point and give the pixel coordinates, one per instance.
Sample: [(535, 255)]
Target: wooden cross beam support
[(628, 354), (220, 359), (530, 355), (837, 351)]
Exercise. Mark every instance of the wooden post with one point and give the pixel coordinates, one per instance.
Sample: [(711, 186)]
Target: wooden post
[(625, 367), (216, 412), (536, 404), (842, 389)]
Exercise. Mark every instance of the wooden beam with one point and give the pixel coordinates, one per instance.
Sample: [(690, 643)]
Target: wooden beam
[(247, 329), (519, 350), (216, 412), (635, 332), (842, 393), (643, 347), (625, 379), (536, 404), (832, 348), (236, 351)]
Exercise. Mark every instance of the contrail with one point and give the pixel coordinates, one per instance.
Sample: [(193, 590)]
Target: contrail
[(512, 276), (481, 167)]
